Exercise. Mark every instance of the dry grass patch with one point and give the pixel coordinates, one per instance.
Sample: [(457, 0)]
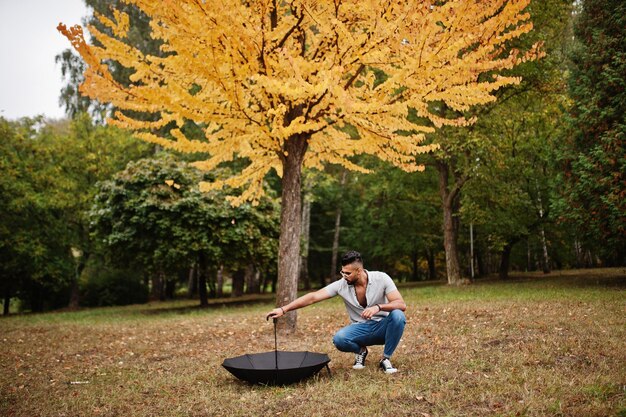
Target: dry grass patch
[(537, 346)]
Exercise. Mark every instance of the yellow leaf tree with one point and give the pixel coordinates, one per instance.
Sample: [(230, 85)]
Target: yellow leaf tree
[(278, 84)]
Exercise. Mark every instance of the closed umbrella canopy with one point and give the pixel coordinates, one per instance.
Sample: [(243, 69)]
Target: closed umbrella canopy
[(276, 368)]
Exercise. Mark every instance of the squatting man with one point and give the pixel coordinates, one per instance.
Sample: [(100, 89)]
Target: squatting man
[(375, 307)]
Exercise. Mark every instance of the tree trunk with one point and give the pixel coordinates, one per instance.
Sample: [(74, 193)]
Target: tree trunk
[(472, 268), (192, 282), (239, 279), (432, 270), (156, 292), (253, 286), (450, 203), (7, 302), (74, 294), (545, 261), (170, 288), (480, 261), (202, 271), (219, 282), (37, 298), (290, 227), (414, 265), (505, 260), (269, 283), (528, 256), (335, 249), (305, 236), (81, 262), (545, 264), (210, 280)]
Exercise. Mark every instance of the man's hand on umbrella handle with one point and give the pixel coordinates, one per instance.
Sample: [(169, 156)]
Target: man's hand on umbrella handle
[(276, 313)]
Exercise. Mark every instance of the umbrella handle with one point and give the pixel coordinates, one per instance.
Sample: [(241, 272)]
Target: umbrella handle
[(275, 347), (275, 339)]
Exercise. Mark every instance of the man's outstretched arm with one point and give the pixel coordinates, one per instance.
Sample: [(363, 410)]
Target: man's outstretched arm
[(305, 300)]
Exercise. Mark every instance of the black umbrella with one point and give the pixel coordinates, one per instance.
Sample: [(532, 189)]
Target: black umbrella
[(276, 368)]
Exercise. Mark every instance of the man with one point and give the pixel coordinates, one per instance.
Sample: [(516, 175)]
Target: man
[(375, 307)]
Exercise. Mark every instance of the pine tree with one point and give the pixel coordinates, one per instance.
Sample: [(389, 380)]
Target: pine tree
[(596, 171)]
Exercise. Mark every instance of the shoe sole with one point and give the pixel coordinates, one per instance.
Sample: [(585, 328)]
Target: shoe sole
[(358, 367)]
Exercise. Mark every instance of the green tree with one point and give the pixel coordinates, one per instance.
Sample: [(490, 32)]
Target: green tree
[(153, 217), (595, 192), (87, 153), (514, 182), (50, 172), (35, 258), (394, 218), (455, 162)]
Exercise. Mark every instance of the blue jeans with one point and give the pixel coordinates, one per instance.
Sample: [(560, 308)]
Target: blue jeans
[(386, 332)]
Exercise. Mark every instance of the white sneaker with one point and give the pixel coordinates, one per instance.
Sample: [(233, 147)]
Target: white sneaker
[(387, 367), (359, 360)]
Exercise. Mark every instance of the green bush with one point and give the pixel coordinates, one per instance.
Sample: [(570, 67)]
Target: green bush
[(103, 285)]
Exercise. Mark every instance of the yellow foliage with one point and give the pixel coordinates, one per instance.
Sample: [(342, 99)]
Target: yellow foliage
[(254, 77)]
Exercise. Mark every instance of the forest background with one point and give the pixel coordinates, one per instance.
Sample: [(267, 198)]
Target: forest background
[(93, 217)]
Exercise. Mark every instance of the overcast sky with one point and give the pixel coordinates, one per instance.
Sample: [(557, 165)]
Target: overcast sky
[(30, 80)]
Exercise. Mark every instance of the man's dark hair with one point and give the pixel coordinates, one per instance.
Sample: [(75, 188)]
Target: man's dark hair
[(350, 257)]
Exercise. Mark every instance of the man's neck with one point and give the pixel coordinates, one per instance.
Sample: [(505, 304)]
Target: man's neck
[(362, 281)]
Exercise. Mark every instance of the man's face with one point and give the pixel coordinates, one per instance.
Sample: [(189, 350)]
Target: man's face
[(351, 273)]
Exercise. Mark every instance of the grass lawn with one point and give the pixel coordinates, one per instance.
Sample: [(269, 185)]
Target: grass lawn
[(533, 346)]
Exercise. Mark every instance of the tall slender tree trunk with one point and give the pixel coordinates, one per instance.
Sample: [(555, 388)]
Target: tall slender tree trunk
[(74, 294), (544, 245), (81, 261), (529, 258), (253, 284), (7, 301), (219, 282), (156, 292), (432, 268), (545, 262), (192, 281), (239, 279), (170, 288), (480, 261), (37, 298), (202, 279), (305, 236), (335, 247), (505, 258), (290, 227), (450, 203), (210, 278)]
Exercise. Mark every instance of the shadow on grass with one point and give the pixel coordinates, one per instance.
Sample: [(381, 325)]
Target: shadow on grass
[(250, 300), (604, 278)]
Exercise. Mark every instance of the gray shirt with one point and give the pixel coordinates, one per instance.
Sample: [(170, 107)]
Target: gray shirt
[(379, 285)]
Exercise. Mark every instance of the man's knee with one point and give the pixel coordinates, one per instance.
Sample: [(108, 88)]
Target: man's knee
[(397, 317), (339, 339)]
